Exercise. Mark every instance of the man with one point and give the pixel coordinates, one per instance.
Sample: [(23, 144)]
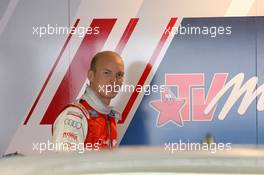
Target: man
[(90, 120)]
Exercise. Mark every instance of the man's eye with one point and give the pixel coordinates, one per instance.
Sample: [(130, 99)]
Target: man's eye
[(120, 75)]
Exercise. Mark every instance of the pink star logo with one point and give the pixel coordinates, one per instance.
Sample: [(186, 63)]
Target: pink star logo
[(169, 110)]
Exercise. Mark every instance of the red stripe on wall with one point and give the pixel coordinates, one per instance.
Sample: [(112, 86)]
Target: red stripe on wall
[(126, 35), (77, 72), (51, 72), (147, 69)]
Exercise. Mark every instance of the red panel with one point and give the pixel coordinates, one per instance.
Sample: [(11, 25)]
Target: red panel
[(50, 74), (77, 72), (147, 69)]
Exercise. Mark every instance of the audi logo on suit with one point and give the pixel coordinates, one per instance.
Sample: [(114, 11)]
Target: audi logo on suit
[(72, 123)]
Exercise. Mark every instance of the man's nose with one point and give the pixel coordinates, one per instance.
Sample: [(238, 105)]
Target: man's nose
[(113, 79)]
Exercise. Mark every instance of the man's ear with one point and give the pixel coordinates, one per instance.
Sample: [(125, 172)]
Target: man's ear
[(91, 75)]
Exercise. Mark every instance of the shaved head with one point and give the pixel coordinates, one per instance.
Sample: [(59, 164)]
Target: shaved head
[(103, 55)]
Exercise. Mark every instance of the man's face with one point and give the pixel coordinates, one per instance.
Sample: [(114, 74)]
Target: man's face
[(108, 76)]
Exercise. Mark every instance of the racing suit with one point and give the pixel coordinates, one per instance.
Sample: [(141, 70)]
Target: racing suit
[(87, 121)]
